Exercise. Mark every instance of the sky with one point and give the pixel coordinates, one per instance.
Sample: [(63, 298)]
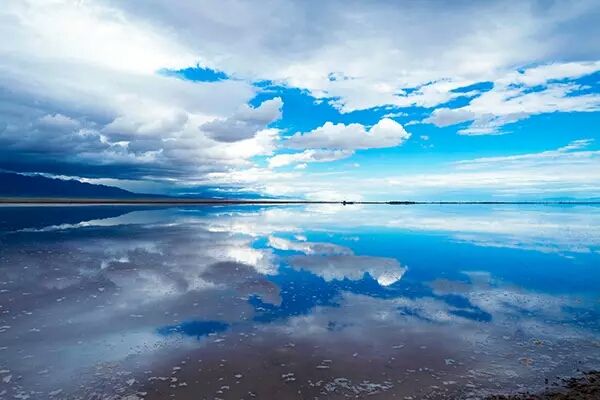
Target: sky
[(354, 100)]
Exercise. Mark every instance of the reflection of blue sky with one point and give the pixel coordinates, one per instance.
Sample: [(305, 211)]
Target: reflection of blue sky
[(154, 275), (194, 328)]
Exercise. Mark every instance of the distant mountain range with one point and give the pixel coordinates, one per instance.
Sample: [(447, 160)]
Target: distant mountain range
[(17, 185), (34, 187)]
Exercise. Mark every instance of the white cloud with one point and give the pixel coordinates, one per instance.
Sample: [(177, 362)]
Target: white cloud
[(58, 121), (572, 170), (517, 95), (90, 33), (385, 133), (365, 55), (332, 142), (87, 73), (449, 116), (80, 91), (245, 122), (307, 156), (567, 155), (540, 75)]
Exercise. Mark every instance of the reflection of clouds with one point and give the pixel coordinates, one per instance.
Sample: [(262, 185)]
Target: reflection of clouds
[(521, 315), (331, 261), (106, 263), (389, 276), (306, 247), (176, 262), (541, 315), (121, 278), (103, 282), (244, 279), (340, 266), (262, 222), (544, 229), (539, 244), (358, 316), (540, 228), (541, 330), (261, 260), (506, 302)]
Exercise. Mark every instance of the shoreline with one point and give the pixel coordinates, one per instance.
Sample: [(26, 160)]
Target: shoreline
[(168, 201)]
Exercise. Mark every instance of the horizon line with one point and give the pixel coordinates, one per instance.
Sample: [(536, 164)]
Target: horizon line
[(183, 201)]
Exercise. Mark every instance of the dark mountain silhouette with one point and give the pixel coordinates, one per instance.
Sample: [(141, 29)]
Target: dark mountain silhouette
[(17, 185)]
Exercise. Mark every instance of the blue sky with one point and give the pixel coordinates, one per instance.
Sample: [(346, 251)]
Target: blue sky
[(370, 100)]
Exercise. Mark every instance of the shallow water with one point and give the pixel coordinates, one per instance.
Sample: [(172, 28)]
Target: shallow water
[(103, 302)]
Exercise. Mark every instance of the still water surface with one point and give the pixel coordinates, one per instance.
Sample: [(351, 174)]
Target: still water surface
[(111, 302)]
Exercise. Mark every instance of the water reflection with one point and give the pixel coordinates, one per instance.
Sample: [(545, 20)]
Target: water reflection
[(295, 302)]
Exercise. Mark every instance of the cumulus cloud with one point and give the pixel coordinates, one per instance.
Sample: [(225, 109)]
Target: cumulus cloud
[(106, 112), (385, 133), (332, 142), (245, 123)]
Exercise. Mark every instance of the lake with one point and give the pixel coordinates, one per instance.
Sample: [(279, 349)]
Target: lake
[(298, 302)]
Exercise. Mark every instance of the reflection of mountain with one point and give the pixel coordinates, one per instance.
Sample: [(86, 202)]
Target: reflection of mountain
[(25, 217)]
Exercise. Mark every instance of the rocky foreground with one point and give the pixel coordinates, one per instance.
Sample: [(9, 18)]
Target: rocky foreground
[(586, 387)]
